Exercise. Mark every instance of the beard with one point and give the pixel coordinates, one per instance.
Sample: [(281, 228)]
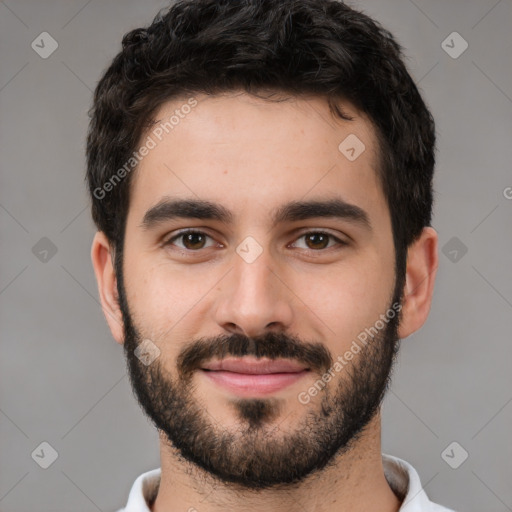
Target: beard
[(258, 454)]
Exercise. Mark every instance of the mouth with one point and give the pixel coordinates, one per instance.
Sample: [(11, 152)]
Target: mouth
[(249, 376)]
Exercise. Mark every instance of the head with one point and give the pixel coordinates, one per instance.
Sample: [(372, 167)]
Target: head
[(222, 136)]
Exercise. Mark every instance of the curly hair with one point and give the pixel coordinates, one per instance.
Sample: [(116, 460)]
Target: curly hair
[(296, 47)]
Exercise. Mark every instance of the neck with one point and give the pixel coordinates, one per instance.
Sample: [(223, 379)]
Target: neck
[(355, 482)]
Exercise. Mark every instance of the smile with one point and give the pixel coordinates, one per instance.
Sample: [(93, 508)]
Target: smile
[(253, 377)]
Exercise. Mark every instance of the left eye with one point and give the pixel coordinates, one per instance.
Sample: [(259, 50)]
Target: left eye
[(193, 240), (319, 238)]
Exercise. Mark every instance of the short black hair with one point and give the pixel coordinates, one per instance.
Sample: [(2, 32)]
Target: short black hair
[(296, 47)]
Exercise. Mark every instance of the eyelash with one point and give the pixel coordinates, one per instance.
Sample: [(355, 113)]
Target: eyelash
[(198, 232)]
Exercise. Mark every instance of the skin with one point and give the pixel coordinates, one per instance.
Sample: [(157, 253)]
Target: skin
[(252, 156)]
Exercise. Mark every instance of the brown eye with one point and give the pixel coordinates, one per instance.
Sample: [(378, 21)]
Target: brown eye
[(317, 240), (191, 240), (320, 240)]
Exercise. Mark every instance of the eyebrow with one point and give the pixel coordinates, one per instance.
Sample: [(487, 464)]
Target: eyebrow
[(170, 209)]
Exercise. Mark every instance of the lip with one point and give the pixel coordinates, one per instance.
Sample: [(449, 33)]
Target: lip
[(253, 377), (252, 365)]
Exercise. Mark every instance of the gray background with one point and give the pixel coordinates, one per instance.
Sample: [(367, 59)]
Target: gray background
[(63, 378)]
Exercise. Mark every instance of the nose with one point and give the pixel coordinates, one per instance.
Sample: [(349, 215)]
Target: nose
[(255, 298)]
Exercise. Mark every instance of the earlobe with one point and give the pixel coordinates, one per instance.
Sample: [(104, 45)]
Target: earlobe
[(422, 262), (101, 256)]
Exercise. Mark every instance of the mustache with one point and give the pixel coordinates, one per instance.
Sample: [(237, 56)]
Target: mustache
[(271, 345)]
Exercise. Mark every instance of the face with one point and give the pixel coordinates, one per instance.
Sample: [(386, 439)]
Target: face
[(259, 263)]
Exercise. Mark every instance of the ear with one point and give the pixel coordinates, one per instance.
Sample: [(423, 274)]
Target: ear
[(101, 255), (422, 262)]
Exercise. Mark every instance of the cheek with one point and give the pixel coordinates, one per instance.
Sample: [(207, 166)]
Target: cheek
[(158, 297), (349, 300), (162, 305)]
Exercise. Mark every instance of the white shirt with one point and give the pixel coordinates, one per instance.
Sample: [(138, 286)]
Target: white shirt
[(401, 476)]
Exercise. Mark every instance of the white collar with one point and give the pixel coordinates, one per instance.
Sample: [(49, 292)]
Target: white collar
[(401, 476)]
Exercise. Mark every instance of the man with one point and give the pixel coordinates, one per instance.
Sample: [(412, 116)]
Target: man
[(261, 180)]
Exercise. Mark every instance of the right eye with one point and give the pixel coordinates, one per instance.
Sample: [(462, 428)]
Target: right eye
[(192, 240)]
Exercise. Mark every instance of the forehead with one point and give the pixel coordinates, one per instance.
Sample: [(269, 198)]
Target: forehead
[(239, 150)]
